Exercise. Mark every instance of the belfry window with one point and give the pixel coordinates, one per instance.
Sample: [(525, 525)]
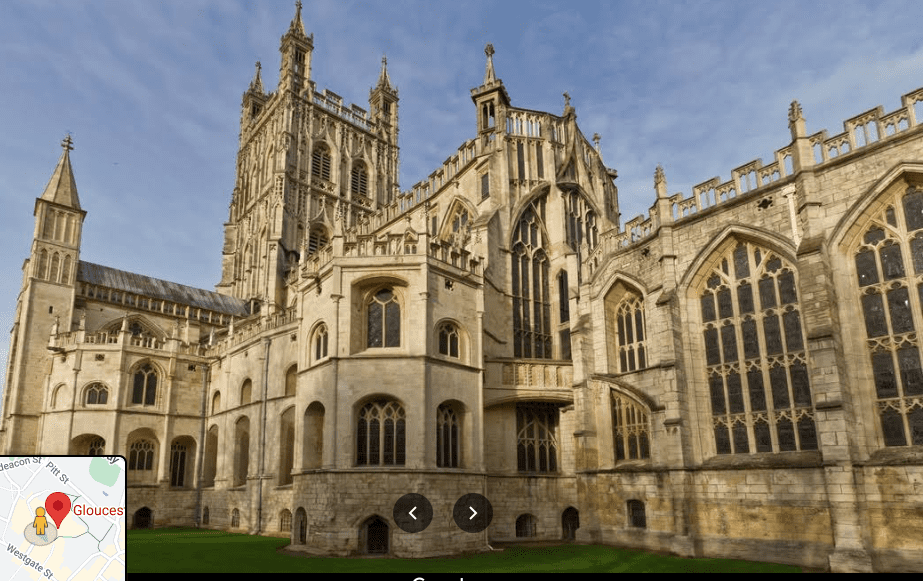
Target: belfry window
[(756, 364), (531, 300), (889, 269), (359, 180), (320, 162)]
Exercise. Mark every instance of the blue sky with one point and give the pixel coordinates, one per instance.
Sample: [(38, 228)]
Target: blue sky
[(151, 94)]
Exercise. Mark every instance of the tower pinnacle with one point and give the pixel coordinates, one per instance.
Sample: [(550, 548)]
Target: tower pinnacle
[(384, 81), (297, 25), (256, 84), (489, 75), (62, 188)]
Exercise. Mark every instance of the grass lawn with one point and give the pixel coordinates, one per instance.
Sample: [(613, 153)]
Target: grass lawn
[(193, 550)]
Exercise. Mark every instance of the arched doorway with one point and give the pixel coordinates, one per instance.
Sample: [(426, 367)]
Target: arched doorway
[(300, 530), (570, 522), (373, 536), (144, 518)]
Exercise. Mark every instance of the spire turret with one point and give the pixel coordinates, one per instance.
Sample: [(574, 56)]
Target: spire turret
[(384, 81), (62, 188), (256, 85), (297, 26)]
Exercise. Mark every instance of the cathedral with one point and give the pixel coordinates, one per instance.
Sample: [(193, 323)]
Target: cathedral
[(735, 374)]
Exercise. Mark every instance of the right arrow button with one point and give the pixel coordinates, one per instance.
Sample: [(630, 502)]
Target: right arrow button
[(472, 513)]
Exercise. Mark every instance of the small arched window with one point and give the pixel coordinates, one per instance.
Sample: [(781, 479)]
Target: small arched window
[(291, 380), (448, 340), (205, 516), (145, 386), (235, 518), (245, 392), (141, 455), (320, 162), (448, 432), (359, 180), (216, 402), (96, 394), (320, 343), (42, 265), (384, 319), (285, 520)]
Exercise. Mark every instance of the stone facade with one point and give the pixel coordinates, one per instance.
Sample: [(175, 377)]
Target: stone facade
[(736, 375)]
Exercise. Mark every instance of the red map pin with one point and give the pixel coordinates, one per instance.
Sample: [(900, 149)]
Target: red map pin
[(57, 505)]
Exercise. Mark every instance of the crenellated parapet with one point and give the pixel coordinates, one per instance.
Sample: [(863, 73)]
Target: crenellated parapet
[(864, 130)]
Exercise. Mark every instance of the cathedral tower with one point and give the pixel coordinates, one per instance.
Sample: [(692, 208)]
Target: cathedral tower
[(45, 303)]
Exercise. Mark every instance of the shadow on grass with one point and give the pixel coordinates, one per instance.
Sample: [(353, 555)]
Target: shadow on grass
[(207, 551)]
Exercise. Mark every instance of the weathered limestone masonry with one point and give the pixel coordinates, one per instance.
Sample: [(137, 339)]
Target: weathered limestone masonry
[(737, 374)]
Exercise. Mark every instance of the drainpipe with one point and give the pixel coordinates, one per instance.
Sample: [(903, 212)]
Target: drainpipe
[(259, 510), (200, 456)]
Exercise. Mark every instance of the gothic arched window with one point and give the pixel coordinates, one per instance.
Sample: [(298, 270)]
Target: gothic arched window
[(145, 386), (141, 455), (630, 429), (291, 380), (359, 180), (889, 267), (537, 446), (755, 354), (178, 464), (448, 432), (320, 342), (531, 301), (380, 434), (384, 319), (320, 162), (629, 320), (97, 447), (246, 392), (97, 394), (448, 339)]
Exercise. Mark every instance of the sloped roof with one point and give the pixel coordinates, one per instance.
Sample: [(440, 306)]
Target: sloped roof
[(160, 289)]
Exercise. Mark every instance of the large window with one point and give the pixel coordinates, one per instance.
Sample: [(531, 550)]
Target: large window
[(380, 434), (384, 319), (531, 302), (141, 455), (755, 354), (889, 267), (630, 429), (145, 386), (629, 321), (537, 446)]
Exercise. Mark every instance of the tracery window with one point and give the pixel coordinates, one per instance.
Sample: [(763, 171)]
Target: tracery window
[(448, 432), (531, 301), (536, 429), (580, 222), (97, 394), (97, 447), (145, 386), (630, 429), (448, 339), (384, 319), (380, 434), (141, 455), (320, 343), (320, 162), (359, 180), (459, 219), (629, 320), (889, 267), (754, 345)]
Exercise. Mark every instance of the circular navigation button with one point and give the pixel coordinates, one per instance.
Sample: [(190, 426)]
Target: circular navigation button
[(413, 513), (473, 513)]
